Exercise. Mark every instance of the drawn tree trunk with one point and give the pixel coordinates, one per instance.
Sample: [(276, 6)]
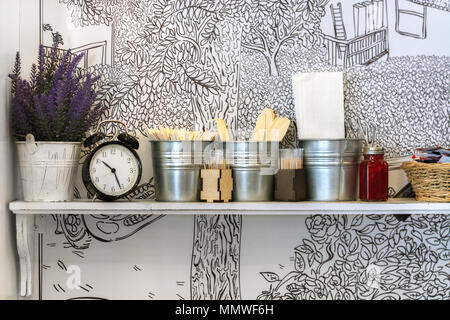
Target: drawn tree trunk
[(224, 57), (215, 264), (215, 257)]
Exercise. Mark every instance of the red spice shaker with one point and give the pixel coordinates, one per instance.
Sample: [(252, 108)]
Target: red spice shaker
[(373, 175)]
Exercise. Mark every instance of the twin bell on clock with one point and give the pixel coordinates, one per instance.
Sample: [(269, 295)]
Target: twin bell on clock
[(112, 169)]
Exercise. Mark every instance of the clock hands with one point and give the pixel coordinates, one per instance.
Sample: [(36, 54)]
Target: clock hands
[(117, 179), (113, 170)]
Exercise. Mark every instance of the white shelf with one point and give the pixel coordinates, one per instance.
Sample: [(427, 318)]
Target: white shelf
[(29, 212), (394, 206)]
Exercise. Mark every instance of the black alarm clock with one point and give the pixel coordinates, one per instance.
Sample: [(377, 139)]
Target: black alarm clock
[(112, 169)]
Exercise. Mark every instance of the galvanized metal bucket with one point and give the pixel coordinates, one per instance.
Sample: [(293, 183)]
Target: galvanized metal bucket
[(254, 165), (332, 168), (48, 169), (176, 169)]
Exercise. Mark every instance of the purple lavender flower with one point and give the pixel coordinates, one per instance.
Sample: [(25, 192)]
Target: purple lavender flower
[(59, 101)]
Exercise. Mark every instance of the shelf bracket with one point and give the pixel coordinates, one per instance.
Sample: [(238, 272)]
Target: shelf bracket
[(25, 228)]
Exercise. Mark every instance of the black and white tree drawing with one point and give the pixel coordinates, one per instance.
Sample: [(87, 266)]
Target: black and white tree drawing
[(184, 63), (175, 62), (272, 24), (90, 12)]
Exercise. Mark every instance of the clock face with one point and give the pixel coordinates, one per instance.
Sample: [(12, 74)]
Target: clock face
[(114, 170)]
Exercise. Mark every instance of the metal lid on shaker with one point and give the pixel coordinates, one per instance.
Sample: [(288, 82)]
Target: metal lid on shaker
[(369, 149)]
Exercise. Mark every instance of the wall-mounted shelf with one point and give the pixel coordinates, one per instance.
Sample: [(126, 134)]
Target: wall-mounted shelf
[(27, 212), (394, 206)]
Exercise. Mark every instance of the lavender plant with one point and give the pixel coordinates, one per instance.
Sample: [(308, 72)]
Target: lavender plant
[(58, 103)]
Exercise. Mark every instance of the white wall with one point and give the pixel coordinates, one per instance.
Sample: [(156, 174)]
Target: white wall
[(17, 18), (9, 39)]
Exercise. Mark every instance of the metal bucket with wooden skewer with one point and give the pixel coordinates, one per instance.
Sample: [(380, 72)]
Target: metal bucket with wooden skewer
[(177, 157), (176, 174), (255, 162)]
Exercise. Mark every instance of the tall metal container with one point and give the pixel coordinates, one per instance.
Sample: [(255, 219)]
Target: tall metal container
[(332, 168), (254, 165), (176, 169)]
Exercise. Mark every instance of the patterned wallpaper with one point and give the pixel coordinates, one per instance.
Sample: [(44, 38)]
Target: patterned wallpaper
[(185, 63), (438, 4)]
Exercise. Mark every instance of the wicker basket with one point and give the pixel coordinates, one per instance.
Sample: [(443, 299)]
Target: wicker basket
[(430, 181)]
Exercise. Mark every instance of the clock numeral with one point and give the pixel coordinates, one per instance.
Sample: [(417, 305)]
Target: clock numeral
[(104, 187), (113, 189), (131, 170), (122, 186), (104, 154), (113, 151), (97, 161), (97, 179), (94, 170), (129, 160), (129, 179)]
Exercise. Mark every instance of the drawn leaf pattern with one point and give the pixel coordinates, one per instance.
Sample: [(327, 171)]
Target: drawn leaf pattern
[(185, 63), (270, 276), (364, 263)]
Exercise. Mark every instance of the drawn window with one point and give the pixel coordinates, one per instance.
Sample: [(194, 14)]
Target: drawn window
[(410, 19)]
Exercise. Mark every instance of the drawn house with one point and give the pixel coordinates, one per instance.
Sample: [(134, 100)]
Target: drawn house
[(370, 41), (414, 12), (92, 51), (91, 40)]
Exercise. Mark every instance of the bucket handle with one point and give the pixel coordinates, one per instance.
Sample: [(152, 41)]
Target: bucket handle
[(30, 144)]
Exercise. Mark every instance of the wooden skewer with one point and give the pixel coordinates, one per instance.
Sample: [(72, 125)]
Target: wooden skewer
[(222, 127), (290, 163)]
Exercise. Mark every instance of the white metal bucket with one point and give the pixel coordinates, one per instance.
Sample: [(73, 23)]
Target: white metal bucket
[(48, 169)]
